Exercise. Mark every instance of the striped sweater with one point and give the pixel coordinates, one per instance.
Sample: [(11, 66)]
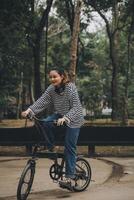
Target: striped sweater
[(66, 104)]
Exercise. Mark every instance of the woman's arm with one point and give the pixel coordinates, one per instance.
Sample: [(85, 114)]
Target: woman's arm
[(41, 104)]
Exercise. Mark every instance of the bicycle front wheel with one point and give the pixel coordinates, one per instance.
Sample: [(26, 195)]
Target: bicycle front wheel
[(83, 175), (26, 181)]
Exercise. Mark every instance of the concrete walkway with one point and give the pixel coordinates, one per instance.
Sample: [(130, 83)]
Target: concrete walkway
[(11, 169)]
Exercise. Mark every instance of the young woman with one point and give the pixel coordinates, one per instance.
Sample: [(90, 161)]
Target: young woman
[(63, 96)]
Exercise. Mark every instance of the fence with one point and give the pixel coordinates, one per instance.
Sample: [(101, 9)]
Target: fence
[(89, 136)]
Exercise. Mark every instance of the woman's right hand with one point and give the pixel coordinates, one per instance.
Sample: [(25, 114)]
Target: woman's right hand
[(26, 112)]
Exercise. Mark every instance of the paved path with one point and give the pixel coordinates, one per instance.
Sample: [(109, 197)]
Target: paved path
[(112, 179), (11, 168)]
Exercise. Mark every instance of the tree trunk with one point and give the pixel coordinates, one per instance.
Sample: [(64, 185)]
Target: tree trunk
[(37, 81), (114, 83), (74, 42), (129, 55), (70, 13), (46, 51), (114, 52), (30, 92), (19, 103), (35, 43)]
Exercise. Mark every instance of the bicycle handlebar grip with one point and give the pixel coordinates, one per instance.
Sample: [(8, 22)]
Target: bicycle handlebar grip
[(30, 116)]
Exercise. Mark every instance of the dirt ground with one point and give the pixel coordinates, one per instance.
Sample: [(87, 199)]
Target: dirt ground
[(99, 151)]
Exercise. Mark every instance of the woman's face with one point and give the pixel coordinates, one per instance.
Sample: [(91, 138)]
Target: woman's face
[(55, 78)]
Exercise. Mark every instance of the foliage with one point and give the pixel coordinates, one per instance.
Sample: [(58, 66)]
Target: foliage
[(94, 70), (14, 51), (91, 92)]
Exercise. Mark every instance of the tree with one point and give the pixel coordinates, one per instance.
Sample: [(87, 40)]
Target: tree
[(13, 17), (130, 30), (91, 91), (74, 41), (113, 28), (34, 36)]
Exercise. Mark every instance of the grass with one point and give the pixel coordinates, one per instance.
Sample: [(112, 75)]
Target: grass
[(98, 122), (107, 122), (109, 150), (115, 151), (14, 123)]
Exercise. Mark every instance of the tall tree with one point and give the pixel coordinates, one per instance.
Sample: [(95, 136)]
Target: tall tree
[(70, 13), (130, 32), (13, 19), (113, 29), (74, 41), (34, 37)]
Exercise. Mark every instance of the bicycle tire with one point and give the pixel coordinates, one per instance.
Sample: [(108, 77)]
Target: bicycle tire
[(83, 175), (29, 171)]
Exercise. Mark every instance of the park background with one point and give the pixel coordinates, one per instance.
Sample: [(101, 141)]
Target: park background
[(93, 40)]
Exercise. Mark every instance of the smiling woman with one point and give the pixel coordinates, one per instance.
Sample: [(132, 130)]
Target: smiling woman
[(59, 78), (62, 95), (55, 78)]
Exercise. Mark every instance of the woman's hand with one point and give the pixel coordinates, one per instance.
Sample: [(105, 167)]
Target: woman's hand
[(61, 121), (26, 112)]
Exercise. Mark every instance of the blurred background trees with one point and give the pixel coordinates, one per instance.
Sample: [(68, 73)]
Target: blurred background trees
[(36, 36)]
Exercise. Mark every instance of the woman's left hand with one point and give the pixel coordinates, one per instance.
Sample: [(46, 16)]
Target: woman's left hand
[(60, 121)]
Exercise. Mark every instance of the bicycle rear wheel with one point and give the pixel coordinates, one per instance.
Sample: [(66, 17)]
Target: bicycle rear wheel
[(26, 181), (83, 175)]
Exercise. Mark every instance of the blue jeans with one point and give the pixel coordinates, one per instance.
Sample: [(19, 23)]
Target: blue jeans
[(71, 138), (50, 129), (70, 143)]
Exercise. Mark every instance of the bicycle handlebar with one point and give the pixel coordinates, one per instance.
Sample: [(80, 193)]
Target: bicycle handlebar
[(33, 117), (39, 125)]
